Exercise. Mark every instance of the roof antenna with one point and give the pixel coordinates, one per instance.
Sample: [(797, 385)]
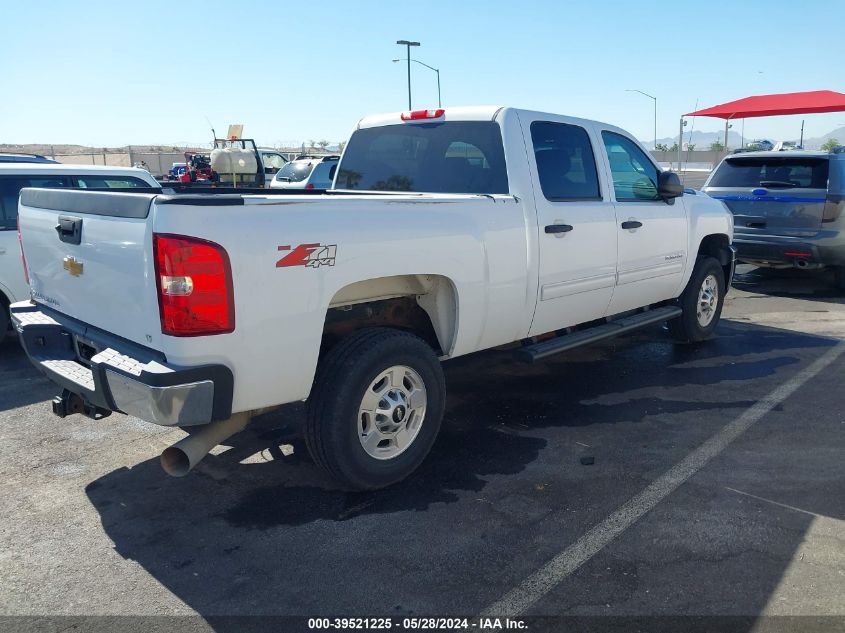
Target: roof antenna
[(213, 133)]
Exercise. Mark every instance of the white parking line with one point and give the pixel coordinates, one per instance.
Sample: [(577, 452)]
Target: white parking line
[(541, 582)]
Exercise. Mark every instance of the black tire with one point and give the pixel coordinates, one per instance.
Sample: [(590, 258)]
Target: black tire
[(687, 328), (344, 375)]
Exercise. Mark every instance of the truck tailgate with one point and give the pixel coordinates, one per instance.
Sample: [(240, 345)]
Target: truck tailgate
[(89, 256)]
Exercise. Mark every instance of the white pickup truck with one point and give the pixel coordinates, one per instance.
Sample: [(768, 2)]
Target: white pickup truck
[(447, 232)]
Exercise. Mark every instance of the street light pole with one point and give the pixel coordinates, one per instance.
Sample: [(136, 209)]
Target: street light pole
[(655, 111), (408, 44), (437, 70)]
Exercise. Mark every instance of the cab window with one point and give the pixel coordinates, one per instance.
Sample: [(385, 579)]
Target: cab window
[(437, 157), (10, 188), (272, 162), (566, 166), (109, 182), (634, 175)]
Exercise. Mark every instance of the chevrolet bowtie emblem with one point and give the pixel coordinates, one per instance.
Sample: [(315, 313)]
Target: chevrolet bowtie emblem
[(73, 266)]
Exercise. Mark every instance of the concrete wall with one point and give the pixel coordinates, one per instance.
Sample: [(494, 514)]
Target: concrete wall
[(702, 159), (158, 164), (114, 160)]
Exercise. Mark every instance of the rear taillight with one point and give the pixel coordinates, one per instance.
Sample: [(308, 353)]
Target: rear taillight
[(310, 185), (23, 256), (833, 207), (194, 280), (418, 115)]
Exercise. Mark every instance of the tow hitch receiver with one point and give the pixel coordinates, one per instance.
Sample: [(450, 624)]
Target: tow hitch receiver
[(69, 403)]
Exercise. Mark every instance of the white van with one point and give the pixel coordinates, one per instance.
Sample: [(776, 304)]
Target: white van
[(17, 175)]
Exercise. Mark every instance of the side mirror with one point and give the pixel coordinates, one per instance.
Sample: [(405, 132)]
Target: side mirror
[(669, 185)]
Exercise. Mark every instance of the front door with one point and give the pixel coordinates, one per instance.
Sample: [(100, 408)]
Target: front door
[(652, 234), (577, 225)]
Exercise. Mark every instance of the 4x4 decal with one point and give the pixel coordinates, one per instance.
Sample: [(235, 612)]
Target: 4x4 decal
[(308, 255)]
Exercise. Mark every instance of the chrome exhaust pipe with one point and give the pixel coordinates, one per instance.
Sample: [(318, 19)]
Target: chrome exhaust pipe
[(178, 460), (802, 263)]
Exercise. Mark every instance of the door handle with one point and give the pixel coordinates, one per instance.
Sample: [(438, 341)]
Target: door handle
[(558, 228), (631, 224)]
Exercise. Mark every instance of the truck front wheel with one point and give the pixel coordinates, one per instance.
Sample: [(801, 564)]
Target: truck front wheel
[(375, 408), (701, 302)]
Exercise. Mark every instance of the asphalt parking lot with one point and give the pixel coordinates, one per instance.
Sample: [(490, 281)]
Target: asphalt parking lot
[(716, 489)]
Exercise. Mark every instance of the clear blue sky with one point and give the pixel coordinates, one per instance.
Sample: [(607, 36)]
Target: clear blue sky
[(111, 73)]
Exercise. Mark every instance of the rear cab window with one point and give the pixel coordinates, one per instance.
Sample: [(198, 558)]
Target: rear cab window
[(438, 157), (772, 173)]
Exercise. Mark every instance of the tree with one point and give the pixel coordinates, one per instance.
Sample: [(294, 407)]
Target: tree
[(717, 146), (674, 147), (323, 144), (690, 147), (341, 145), (829, 144), (661, 147)]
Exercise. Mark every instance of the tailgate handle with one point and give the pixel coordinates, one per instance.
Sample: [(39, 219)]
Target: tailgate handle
[(69, 229)]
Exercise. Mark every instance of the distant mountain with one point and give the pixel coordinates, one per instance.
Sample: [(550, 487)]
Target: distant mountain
[(702, 140), (815, 143)]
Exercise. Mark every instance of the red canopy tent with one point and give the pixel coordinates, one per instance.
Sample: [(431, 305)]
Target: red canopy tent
[(772, 105), (813, 102)]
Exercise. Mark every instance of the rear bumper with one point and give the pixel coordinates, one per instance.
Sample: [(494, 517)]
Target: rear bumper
[(113, 374), (785, 251)]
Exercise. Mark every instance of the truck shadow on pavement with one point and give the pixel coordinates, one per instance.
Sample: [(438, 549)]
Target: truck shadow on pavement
[(254, 530), (20, 383), (818, 286)]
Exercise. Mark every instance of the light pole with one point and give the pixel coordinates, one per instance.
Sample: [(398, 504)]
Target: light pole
[(655, 111), (408, 46), (437, 70)]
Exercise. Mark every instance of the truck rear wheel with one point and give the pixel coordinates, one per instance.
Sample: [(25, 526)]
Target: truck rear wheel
[(376, 407), (701, 303)]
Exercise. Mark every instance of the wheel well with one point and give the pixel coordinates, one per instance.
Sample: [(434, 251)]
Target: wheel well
[(425, 305), (718, 247)]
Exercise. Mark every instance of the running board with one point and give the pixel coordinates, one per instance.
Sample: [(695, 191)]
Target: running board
[(535, 352)]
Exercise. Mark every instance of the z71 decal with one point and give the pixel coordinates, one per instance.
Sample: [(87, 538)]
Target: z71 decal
[(308, 255)]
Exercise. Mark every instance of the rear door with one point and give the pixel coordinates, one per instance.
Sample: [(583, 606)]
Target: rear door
[(577, 224), (97, 267), (652, 233), (12, 281), (773, 195)]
